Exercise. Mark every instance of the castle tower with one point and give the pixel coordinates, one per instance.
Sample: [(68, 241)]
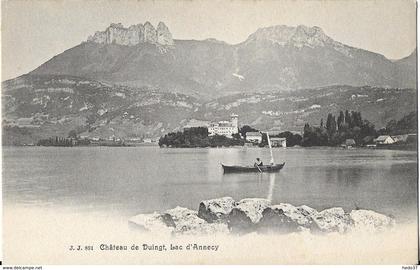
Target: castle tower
[(234, 122)]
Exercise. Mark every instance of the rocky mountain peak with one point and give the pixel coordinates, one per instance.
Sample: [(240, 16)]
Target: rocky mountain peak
[(298, 36), (135, 34), (116, 25), (164, 36)]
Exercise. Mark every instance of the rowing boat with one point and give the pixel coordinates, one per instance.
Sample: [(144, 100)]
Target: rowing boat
[(263, 168)]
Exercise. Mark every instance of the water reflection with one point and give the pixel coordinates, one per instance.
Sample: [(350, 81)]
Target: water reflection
[(271, 186), (345, 176)]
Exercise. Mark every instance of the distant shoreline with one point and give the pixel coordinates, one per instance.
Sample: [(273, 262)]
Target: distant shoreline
[(388, 147)]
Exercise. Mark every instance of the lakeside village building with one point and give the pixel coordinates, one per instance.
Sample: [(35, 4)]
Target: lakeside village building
[(387, 139), (278, 142), (255, 138)]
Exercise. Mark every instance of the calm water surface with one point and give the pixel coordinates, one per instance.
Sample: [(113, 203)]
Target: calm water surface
[(133, 180)]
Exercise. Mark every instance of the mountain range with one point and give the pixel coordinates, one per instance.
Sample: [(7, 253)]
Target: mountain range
[(139, 81), (273, 58)]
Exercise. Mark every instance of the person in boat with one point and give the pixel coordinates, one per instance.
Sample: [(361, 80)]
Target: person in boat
[(258, 162)]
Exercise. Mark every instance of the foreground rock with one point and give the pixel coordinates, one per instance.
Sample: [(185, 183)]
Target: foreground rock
[(301, 215), (246, 214), (157, 223), (333, 220), (216, 210), (187, 222), (224, 215), (285, 218), (370, 221), (176, 221), (275, 220)]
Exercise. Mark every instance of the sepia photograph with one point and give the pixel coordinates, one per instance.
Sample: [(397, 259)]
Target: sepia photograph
[(199, 132)]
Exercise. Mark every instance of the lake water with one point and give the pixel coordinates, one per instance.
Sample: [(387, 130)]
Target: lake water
[(133, 180), (58, 197)]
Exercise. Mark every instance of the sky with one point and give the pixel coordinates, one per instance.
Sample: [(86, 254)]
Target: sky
[(33, 31)]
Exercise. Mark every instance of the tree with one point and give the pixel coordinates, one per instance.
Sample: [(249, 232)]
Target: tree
[(356, 119), (367, 129), (244, 129), (308, 136), (264, 140), (314, 136), (331, 124), (340, 121), (72, 134), (347, 119), (407, 124), (349, 125), (329, 120), (236, 136)]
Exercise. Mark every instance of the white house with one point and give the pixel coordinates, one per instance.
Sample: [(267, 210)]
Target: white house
[(278, 142), (147, 140), (400, 138), (225, 128), (254, 137), (384, 139)]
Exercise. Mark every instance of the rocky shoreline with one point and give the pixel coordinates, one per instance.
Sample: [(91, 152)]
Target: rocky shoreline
[(227, 216)]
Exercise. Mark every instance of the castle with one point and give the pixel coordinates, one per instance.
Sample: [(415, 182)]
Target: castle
[(225, 128)]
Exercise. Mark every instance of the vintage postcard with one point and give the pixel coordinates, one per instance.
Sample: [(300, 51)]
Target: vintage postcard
[(209, 132)]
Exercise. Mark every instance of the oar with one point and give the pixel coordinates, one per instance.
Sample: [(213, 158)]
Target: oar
[(258, 167)]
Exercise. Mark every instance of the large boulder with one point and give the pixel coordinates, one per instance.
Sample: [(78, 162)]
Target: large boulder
[(274, 219), (187, 222), (246, 214), (301, 215), (333, 220), (306, 210), (155, 222), (216, 209), (370, 221)]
